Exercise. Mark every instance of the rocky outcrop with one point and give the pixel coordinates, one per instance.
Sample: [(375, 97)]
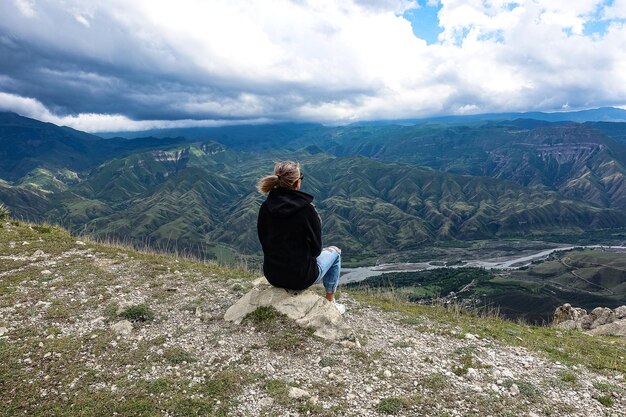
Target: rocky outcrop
[(600, 321), (305, 307)]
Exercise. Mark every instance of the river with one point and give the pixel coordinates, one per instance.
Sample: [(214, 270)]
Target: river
[(508, 262)]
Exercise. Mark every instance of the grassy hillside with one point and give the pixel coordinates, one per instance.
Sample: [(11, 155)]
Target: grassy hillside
[(59, 355)]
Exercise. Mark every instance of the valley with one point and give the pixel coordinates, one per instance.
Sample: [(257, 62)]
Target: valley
[(527, 288)]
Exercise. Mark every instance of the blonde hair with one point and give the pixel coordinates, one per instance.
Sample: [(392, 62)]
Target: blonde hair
[(286, 173)]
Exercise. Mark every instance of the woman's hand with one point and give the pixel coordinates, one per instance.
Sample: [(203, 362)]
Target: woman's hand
[(334, 249)]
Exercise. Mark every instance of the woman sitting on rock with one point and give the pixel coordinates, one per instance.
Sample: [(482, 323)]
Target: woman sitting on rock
[(290, 231)]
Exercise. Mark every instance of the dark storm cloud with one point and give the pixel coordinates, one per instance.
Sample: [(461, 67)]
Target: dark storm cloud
[(106, 69)]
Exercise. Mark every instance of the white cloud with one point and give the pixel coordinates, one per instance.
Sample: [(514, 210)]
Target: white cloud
[(26, 7), (82, 20), (616, 11), (327, 60)]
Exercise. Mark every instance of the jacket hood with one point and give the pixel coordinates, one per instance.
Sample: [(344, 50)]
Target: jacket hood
[(284, 202)]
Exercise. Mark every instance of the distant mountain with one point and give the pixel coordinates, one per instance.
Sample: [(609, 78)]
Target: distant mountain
[(616, 131), (379, 189), (27, 144), (573, 159), (602, 114)]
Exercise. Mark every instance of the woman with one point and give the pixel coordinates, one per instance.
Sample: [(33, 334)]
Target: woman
[(290, 231)]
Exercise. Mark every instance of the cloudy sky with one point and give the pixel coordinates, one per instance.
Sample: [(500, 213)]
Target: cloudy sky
[(135, 64)]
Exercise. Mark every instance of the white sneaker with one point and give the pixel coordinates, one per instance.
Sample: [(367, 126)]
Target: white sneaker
[(340, 307)]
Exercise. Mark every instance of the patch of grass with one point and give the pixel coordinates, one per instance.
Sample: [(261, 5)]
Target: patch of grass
[(327, 361), (390, 405), (4, 212), (42, 228), (284, 333), (278, 389), (569, 377), (605, 400), (262, 315), (605, 387), (467, 361), (138, 313), (527, 389), (290, 339), (178, 355), (402, 344), (435, 382), (110, 311)]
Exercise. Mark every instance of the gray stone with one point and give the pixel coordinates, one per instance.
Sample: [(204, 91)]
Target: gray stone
[(514, 390), (471, 373), (601, 316), (295, 392), (38, 253), (3, 331), (566, 312), (266, 402), (620, 312), (567, 325), (305, 307), (616, 328), (122, 328)]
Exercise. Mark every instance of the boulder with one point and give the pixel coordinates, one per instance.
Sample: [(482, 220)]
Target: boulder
[(601, 316), (600, 321), (305, 307), (620, 312), (566, 313), (616, 328)]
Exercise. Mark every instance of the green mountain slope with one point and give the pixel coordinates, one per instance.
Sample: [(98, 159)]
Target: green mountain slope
[(474, 182)]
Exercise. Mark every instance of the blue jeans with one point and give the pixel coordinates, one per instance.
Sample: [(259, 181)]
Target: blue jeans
[(329, 266)]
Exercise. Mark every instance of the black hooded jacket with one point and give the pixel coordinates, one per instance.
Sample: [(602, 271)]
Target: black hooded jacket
[(290, 232)]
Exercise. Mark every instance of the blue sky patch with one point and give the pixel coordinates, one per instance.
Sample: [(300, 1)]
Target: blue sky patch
[(424, 21)]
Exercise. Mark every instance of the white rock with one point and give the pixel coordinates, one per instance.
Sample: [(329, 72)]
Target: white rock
[(387, 373), (80, 242), (295, 392), (122, 328), (98, 320), (305, 307), (506, 373), (46, 272), (514, 390), (470, 336), (368, 389), (471, 373), (266, 402), (3, 331), (38, 253)]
